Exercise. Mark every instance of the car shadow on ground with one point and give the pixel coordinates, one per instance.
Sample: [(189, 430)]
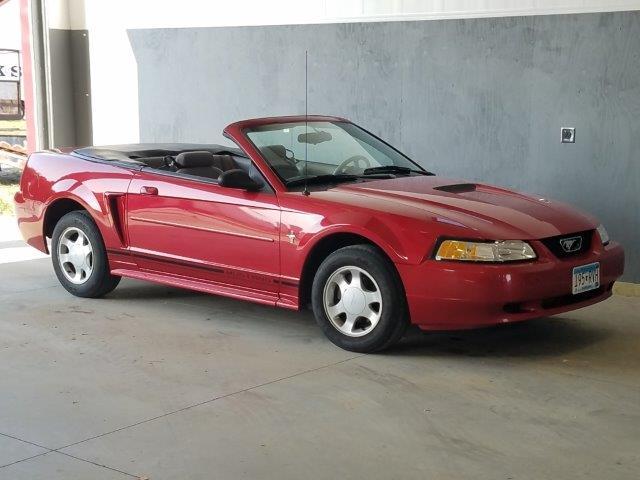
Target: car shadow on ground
[(129, 289), (208, 304), (544, 337)]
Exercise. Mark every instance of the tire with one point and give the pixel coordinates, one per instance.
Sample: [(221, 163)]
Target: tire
[(91, 278), (349, 316)]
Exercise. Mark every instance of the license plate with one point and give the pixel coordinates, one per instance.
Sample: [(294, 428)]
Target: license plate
[(586, 277)]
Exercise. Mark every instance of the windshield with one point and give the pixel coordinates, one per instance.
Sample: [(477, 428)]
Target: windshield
[(332, 149)]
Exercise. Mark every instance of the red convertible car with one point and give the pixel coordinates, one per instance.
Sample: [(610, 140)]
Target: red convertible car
[(313, 211)]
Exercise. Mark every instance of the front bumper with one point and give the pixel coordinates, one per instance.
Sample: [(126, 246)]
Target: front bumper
[(445, 295)]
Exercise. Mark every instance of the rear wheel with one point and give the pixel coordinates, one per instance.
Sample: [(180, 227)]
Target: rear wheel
[(80, 258), (358, 300)]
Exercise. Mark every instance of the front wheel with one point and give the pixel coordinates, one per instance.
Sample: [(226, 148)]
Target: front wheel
[(358, 299), (80, 258)]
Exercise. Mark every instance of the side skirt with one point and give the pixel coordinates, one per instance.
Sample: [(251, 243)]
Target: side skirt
[(208, 287)]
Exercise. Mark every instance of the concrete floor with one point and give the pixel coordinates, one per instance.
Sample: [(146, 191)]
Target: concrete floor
[(168, 384)]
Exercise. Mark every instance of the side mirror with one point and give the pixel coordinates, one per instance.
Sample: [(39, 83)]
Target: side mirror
[(238, 178)]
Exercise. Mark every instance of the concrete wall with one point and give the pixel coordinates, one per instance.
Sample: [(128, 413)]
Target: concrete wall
[(482, 99), (113, 65)]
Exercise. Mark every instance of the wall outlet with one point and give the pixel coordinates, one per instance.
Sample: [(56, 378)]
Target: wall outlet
[(568, 135)]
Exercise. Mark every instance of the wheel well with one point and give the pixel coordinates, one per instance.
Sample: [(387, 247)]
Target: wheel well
[(56, 211), (322, 250)]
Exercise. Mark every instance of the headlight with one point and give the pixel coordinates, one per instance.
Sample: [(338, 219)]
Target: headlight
[(498, 251), (604, 236)]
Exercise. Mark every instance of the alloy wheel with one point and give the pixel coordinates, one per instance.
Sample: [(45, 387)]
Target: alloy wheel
[(352, 301), (75, 255)]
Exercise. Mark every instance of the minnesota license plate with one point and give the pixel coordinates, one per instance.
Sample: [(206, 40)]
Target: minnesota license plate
[(586, 277)]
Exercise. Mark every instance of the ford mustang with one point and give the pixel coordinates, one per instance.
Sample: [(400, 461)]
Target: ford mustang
[(313, 211)]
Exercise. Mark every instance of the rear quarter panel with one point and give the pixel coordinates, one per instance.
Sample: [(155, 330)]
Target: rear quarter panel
[(49, 177)]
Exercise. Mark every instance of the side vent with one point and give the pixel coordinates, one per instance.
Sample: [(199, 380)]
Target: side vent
[(114, 203), (457, 188)]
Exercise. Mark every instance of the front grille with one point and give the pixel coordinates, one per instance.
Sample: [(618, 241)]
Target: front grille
[(563, 246)]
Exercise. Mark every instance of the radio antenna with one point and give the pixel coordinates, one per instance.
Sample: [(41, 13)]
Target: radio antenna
[(306, 114)]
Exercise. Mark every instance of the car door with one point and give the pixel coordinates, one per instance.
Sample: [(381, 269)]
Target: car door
[(198, 229)]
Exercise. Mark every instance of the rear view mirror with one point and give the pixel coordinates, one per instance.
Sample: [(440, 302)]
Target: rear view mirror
[(238, 178), (314, 138)]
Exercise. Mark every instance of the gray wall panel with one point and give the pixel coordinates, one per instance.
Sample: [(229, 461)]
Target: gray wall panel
[(61, 77), (482, 99), (79, 43), (70, 87)]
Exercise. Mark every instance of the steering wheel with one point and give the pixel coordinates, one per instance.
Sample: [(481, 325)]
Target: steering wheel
[(169, 162), (286, 156), (354, 161), (289, 155)]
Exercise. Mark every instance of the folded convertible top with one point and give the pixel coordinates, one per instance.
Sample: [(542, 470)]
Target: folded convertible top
[(137, 152)]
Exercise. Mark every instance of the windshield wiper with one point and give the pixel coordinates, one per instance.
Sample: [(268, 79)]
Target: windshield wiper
[(382, 172), (322, 179), (393, 169)]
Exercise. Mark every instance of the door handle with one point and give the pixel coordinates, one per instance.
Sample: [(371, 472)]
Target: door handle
[(148, 191)]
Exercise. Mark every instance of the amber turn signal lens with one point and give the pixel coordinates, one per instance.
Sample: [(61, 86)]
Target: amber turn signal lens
[(498, 251)]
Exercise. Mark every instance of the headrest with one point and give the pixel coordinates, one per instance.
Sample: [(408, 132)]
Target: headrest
[(224, 162), (153, 162), (195, 159)]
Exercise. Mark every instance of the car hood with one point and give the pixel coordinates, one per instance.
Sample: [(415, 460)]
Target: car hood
[(487, 211)]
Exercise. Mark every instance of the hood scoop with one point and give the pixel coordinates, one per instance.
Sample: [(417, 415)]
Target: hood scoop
[(457, 188)]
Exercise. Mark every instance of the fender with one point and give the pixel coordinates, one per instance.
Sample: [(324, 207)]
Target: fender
[(393, 249), (75, 190), (106, 217), (50, 177), (295, 270), (402, 240)]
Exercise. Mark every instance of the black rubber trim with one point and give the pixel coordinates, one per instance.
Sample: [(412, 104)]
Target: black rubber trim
[(184, 263)]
